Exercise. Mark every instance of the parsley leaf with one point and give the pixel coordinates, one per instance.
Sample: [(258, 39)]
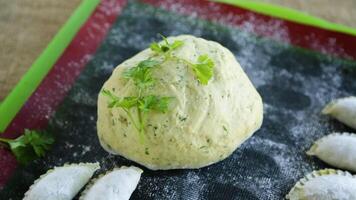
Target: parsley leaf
[(30, 146), (204, 69), (156, 47), (156, 103), (113, 99), (176, 44), (165, 47), (141, 74), (126, 102)]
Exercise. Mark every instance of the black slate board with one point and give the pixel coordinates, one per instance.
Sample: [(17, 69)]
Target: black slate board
[(295, 84)]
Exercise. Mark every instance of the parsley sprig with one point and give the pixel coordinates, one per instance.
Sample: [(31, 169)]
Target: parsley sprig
[(203, 68), (142, 77), (143, 105), (30, 146), (142, 74), (165, 48)]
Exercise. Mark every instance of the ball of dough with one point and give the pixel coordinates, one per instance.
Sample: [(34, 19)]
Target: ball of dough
[(204, 124)]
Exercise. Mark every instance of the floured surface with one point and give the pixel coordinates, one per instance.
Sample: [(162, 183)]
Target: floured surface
[(294, 84)]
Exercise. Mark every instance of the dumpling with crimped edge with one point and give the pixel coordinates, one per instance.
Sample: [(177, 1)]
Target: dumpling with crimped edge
[(326, 184), (337, 149), (61, 183), (343, 109), (117, 184)]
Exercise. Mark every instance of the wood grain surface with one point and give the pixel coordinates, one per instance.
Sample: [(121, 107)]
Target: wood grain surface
[(28, 25)]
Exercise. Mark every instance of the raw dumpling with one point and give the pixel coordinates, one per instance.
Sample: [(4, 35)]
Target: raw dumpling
[(61, 183), (338, 150), (344, 110), (205, 123), (118, 184), (327, 184)]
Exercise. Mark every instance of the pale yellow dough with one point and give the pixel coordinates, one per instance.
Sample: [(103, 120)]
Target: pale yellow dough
[(205, 124)]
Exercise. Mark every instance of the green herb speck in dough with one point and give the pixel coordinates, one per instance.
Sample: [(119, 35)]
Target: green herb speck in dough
[(182, 119), (225, 129)]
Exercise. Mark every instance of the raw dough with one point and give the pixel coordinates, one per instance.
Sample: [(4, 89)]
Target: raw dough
[(327, 184), (117, 184), (344, 110), (338, 150), (61, 183), (205, 124)]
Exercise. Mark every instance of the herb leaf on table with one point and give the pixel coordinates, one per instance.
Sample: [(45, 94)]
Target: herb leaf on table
[(30, 146)]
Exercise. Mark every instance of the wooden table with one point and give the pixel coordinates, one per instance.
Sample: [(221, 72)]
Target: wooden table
[(28, 25)]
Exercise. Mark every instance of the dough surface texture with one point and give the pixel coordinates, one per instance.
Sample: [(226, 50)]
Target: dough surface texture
[(204, 124)]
